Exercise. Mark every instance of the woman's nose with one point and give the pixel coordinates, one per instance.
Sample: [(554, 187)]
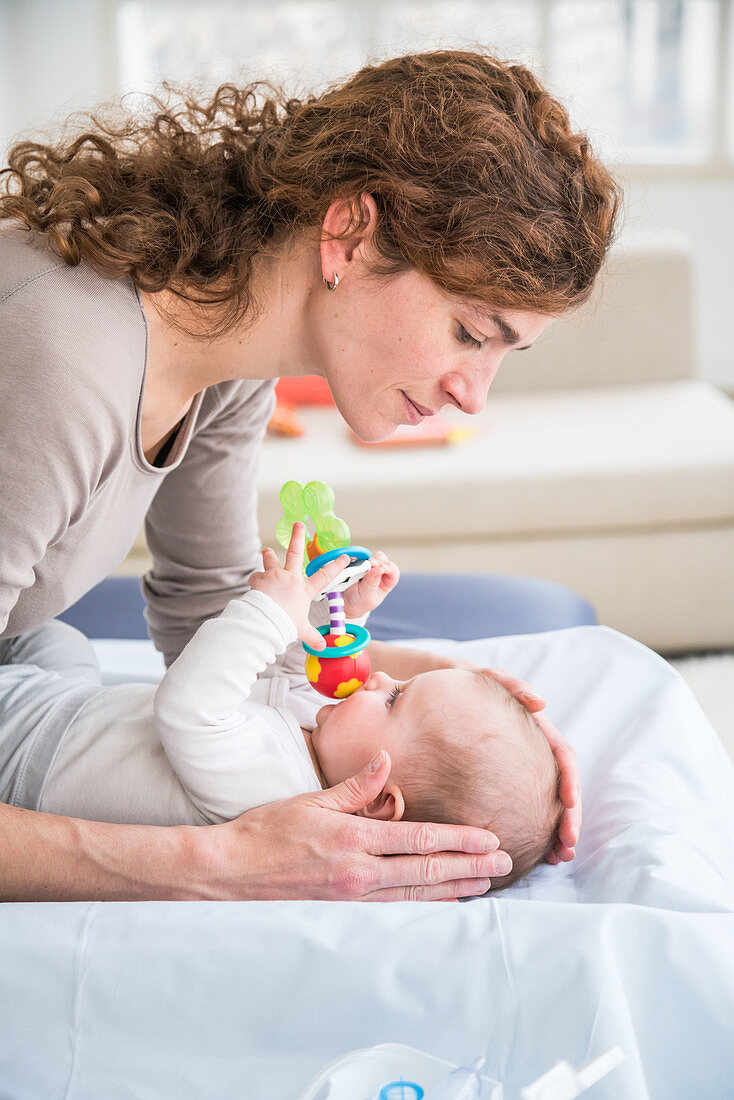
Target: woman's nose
[(469, 391)]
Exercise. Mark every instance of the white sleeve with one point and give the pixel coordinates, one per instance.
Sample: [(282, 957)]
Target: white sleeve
[(292, 662), (208, 727)]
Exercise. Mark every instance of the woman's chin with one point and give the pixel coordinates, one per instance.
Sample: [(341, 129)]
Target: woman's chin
[(367, 424), (374, 430)]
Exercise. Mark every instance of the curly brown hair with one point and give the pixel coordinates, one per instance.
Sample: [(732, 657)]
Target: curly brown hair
[(478, 178)]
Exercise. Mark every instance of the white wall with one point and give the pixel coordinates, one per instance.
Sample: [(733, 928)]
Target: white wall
[(703, 210), (57, 56)]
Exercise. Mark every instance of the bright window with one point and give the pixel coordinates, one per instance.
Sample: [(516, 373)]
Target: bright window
[(642, 72), (650, 79)]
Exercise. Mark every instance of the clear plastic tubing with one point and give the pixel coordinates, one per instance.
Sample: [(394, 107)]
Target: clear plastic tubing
[(463, 1083)]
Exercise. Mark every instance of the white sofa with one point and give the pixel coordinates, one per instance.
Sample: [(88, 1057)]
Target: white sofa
[(601, 461)]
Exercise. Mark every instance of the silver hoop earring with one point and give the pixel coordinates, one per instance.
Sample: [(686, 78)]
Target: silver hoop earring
[(334, 285)]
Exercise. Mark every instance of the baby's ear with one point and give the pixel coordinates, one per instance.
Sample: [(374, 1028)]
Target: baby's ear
[(388, 806)]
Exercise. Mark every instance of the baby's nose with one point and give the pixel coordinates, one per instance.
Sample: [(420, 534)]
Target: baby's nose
[(378, 680)]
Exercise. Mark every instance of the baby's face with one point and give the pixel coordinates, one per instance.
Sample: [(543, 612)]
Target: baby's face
[(387, 714)]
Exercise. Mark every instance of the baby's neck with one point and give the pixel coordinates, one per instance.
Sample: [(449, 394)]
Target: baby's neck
[(314, 757)]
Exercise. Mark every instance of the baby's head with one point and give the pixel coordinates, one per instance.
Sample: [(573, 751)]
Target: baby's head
[(463, 750)]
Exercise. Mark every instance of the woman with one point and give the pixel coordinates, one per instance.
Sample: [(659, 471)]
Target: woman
[(397, 235)]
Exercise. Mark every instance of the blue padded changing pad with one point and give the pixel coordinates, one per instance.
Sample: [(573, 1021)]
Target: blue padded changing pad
[(423, 605)]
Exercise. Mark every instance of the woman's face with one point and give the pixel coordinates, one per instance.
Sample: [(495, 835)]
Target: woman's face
[(395, 351)]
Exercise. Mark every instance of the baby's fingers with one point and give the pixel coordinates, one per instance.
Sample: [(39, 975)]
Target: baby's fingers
[(383, 572), (373, 577), (390, 576), (270, 559), (325, 574), (294, 553), (313, 638)]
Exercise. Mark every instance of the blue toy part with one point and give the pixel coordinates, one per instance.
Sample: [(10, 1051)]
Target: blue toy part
[(401, 1090), (362, 639), (359, 553), (356, 568)]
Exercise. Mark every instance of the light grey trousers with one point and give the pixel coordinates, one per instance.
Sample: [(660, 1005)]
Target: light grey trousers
[(71, 746), (46, 675)]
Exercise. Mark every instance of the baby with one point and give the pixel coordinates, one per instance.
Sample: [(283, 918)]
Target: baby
[(234, 724)]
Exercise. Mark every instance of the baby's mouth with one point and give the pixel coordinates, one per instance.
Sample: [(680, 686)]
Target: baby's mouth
[(321, 715)]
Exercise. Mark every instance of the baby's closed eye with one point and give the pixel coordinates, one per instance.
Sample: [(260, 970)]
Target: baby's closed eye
[(392, 696)]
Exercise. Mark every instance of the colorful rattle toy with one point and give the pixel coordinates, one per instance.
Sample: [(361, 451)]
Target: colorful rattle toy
[(338, 673)]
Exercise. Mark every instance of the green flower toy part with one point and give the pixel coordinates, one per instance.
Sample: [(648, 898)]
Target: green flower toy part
[(314, 502), (343, 667)]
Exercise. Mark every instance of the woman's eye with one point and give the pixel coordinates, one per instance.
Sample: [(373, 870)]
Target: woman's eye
[(392, 696), (467, 338)]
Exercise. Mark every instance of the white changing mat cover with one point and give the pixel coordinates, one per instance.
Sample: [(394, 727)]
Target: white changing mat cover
[(632, 944)]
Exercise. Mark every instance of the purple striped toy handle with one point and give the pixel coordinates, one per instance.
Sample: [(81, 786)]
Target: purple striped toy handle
[(337, 616)]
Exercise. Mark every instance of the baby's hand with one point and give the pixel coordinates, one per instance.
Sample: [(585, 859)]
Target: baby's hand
[(370, 591), (290, 589)]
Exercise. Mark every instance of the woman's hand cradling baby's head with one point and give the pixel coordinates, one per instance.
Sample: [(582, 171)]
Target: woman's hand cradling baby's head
[(569, 829), (287, 586)]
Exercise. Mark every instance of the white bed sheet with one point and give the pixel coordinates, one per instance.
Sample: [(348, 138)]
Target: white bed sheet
[(632, 944)]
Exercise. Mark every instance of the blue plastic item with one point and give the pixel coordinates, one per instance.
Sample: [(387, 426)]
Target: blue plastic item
[(362, 638), (401, 1090), (357, 553)]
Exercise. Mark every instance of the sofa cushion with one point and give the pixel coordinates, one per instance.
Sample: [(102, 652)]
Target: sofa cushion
[(636, 328), (611, 458)]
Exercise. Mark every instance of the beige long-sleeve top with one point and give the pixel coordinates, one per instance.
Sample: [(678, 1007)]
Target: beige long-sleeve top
[(75, 486)]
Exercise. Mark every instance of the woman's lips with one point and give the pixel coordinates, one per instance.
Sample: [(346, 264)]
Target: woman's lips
[(415, 412)]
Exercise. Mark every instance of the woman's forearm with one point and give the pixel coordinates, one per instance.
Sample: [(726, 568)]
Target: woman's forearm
[(311, 846), (402, 663), (51, 858)]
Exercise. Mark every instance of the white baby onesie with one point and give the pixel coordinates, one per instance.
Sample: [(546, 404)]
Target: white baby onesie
[(209, 742)]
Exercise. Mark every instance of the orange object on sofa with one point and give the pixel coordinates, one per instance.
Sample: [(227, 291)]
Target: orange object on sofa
[(310, 389)]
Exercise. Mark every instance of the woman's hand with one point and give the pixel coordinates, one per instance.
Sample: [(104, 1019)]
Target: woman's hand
[(312, 846), (290, 589), (569, 828), (370, 591)]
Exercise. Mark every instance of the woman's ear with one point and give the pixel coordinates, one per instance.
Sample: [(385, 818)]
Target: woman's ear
[(388, 806), (335, 253)]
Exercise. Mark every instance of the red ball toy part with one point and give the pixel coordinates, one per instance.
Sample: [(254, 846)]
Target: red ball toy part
[(337, 677)]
